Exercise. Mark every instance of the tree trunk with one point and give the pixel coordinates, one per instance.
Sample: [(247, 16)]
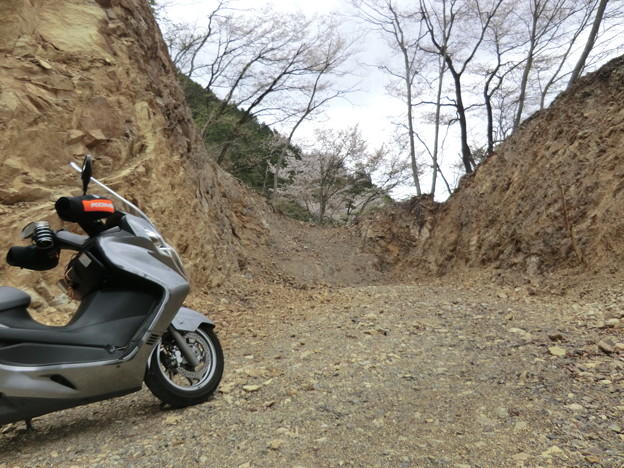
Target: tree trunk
[(461, 115), (490, 116), (436, 137), (589, 45)]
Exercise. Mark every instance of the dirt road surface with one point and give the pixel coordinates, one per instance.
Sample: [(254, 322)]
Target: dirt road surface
[(415, 375)]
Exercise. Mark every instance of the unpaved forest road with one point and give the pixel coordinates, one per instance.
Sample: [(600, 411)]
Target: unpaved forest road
[(387, 375)]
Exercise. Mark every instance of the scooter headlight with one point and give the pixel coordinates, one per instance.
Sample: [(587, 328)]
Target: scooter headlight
[(165, 248)]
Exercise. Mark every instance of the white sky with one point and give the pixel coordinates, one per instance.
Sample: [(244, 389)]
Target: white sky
[(370, 108), (194, 7)]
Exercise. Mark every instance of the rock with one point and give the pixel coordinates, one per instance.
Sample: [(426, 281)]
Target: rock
[(520, 457), (555, 336), (552, 451), (95, 136), (605, 347), (575, 407), (501, 412), (254, 371), (60, 300), (251, 388), (275, 444), (74, 136), (520, 426), (172, 420), (613, 323), (557, 351), (44, 64), (227, 387)]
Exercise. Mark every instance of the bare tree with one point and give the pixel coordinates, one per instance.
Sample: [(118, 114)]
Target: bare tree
[(501, 44), (576, 22), (386, 18), (374, 177), (186, 42), (543, 22), (331, 56), (337, 178), (495, 58), (436, 132), (591, 41), (270, 66), (320, 175), (458, 53)]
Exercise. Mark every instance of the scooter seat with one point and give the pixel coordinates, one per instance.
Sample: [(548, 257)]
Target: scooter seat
[(12, 298)]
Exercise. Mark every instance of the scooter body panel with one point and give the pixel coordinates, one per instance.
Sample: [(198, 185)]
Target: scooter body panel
[(190, 320)]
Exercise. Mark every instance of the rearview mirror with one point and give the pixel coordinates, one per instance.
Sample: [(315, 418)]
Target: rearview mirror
[(86, 173), (28, 231)]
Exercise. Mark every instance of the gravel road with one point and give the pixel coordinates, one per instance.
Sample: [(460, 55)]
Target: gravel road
[(419, 375)]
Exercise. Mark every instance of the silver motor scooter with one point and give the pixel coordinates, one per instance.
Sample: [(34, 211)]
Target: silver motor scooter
[(129, 328)]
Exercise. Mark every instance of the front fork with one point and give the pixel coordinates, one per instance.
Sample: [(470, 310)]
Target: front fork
[(185, 349), (187, 320)]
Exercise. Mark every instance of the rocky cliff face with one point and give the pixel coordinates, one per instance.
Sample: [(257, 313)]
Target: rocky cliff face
[(86, 76), (551, 196)]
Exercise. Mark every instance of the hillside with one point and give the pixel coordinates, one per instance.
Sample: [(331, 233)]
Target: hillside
[(546, 201), (95, 77), (549, 201)]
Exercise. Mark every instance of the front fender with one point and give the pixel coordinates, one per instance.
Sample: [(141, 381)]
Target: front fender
[(189, 320)]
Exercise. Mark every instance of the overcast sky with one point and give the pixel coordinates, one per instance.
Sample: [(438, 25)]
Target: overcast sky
[(370, 107)]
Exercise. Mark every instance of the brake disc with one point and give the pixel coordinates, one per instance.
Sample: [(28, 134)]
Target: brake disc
[(199, 347)]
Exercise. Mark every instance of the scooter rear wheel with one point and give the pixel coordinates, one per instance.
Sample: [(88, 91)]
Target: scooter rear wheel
[(174, 380)]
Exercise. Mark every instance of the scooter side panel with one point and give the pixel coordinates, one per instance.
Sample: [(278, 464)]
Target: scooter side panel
[(38, 354), (73, 380), (19, 408), (139, 257)]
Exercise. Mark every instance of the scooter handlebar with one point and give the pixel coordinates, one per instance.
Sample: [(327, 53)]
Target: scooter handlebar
[(70, 241)]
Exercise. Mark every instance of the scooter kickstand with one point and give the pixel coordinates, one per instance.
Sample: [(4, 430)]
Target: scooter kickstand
[(29, 425)]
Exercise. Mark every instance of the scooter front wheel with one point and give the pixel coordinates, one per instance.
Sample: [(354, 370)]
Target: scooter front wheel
[(174, 380)]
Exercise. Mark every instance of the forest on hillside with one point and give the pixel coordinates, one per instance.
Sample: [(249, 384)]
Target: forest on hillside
[(466, 74)]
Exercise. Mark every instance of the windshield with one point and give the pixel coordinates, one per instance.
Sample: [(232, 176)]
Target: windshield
[(124, 205), (120, 202)]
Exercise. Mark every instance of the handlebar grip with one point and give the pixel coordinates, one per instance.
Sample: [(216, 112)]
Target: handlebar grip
[(33, 258)]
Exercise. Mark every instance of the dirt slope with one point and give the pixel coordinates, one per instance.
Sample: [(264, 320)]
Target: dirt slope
[(550, 198), (79, 77)]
